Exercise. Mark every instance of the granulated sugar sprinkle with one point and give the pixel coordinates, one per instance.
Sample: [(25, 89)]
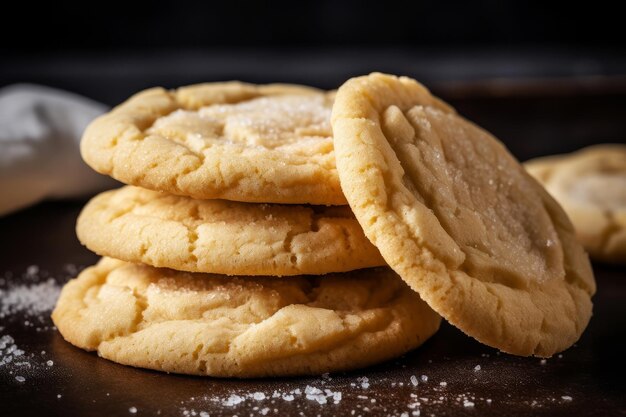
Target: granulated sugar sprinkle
[(316, 394), (423, 395), (364, 381), (26, 301), (9, 352), (29, 299)]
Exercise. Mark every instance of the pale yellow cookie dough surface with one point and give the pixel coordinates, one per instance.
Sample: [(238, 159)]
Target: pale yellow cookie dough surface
[(224, 237), (458, 218), (591, 186), (241, 327), (234, 141)]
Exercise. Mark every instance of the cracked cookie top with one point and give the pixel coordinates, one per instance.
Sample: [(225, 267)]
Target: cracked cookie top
[(591, 186), (241, 326), (453, 212), (225, 237), (233, 141)]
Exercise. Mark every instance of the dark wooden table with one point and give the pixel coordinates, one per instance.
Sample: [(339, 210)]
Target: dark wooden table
[(454, 374)]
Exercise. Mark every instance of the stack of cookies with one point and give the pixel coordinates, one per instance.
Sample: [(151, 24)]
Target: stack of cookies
[(283, 230), (238, 256)]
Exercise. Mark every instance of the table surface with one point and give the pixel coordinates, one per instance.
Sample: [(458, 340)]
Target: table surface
[(451, 374)]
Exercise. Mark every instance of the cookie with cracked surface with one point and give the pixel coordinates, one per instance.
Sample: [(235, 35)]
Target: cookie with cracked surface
[(234, 141), (458, 218), (241, 327), (590, 185), (224, 237)]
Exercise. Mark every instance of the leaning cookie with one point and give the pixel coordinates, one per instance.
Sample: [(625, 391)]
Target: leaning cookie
[(590, 185), (458, 218), (241, 327), (235, 141), (224, 237)]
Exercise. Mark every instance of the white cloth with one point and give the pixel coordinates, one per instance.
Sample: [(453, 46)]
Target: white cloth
[(40, 131)]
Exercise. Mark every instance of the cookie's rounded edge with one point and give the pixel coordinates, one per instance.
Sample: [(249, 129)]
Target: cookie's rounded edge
[(66, 315)]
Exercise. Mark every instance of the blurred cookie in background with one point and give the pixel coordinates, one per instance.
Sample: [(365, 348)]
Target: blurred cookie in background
[(590, 184)]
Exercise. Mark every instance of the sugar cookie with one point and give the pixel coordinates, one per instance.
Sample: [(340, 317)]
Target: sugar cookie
[(224, 237), (235, 141), (459, 219), (241, 327)]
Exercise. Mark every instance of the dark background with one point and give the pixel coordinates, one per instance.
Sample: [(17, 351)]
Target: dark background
[(545, 77), (98, 26), (110, 49)]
